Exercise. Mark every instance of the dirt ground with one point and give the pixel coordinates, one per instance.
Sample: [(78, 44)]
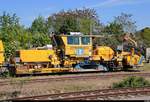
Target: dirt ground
[(30, 89)]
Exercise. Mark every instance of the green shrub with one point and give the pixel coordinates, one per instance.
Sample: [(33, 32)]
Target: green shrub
[(4, 74), (132, 81)]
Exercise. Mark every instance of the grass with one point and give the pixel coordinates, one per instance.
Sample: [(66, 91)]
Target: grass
[(146, 67), (131, 81), (77, 87)]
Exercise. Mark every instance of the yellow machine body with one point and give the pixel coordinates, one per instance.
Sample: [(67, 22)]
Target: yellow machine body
[(103, 52), (1, 53), (131, 58), (38, 56), (38, 61), (41, 70)]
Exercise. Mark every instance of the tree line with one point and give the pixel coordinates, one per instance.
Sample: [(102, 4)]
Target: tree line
[(16, 36)]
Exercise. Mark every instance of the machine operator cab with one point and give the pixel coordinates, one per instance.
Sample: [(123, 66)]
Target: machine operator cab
[(73, 49), (74, 45)]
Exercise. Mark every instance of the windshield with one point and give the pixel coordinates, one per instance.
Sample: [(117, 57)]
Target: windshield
[(85, 40), (73, 40)]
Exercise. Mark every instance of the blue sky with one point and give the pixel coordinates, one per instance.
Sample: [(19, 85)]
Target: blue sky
[(28, 10)]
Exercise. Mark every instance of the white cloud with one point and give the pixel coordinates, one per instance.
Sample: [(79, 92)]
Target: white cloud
[(110, 3), (105, 3)]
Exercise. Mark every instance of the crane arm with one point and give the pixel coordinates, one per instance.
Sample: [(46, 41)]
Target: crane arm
[(128, 38), (134, 42)]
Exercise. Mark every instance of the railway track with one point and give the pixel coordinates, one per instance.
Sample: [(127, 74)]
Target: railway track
[(78, 77), (105, 94)]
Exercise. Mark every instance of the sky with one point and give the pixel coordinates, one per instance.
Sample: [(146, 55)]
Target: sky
[(28, 10)]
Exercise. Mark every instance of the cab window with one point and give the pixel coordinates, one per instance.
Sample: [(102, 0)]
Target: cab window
[(85, 40), (73, 40)]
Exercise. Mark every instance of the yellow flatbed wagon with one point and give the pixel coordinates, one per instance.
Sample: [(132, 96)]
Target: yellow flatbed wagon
[(37, 61)]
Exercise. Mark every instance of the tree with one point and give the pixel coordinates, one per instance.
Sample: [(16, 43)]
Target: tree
[(10, 29), (74, 20), (24, 40), (85, 25), (40, 32), (144, 36), (120, 25), (40, 39), (8, 26), (113, 28), (126, 22), (39, 25)]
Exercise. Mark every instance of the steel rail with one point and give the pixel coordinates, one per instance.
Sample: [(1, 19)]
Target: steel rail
[(93, 94), (81, 77)]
